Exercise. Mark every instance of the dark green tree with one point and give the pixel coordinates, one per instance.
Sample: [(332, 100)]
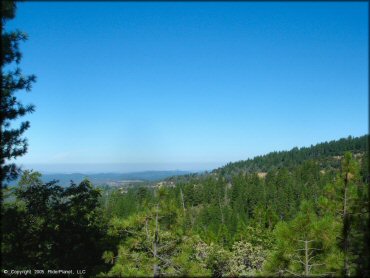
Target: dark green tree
[(306, 245), (13, 144), (55, 228)]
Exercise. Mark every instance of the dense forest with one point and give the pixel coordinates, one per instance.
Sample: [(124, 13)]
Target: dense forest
[(327, 154), (304, 216)]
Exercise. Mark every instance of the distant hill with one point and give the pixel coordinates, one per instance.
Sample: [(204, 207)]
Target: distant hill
[(114, 179), (328, 155)]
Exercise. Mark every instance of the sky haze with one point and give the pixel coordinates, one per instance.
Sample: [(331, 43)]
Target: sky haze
[(190, 85)]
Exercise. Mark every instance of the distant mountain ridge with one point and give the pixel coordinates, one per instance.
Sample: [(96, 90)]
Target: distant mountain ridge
[(111, 178), (327, 154)]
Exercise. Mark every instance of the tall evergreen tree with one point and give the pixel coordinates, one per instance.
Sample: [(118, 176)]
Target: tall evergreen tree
[(306, 245), (13, 144)]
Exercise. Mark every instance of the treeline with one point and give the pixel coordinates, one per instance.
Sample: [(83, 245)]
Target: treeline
[(303, 220), (327, 154)]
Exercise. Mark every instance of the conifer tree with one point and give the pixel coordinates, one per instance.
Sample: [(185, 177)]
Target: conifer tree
[(306, 245), (13, 144)]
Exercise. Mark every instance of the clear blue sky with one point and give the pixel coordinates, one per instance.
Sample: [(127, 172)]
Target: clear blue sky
[(190, 84)]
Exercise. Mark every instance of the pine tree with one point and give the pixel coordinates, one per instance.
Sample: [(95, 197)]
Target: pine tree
[(306, 245), (347, 198), (13, 145)]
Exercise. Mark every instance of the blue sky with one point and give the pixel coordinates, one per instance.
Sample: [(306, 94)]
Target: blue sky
[(190, 85)]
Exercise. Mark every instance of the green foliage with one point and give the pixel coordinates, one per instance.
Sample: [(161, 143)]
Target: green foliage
[(326, 153), (247, 224), (188, 260), (217, 260), (306, 245), (288, 221), (12, 143), (148, 240), (246, 259), (52, 227), (347, 199), (223, 236)]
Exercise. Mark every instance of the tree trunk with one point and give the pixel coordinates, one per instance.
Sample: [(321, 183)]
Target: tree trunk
[(222, 213), (182, 200), (346, 228), (146, 228), (156, 239), (306, 270)]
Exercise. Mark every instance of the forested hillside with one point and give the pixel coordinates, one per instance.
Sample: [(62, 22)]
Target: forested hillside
[(327, 154), (302, 217)]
